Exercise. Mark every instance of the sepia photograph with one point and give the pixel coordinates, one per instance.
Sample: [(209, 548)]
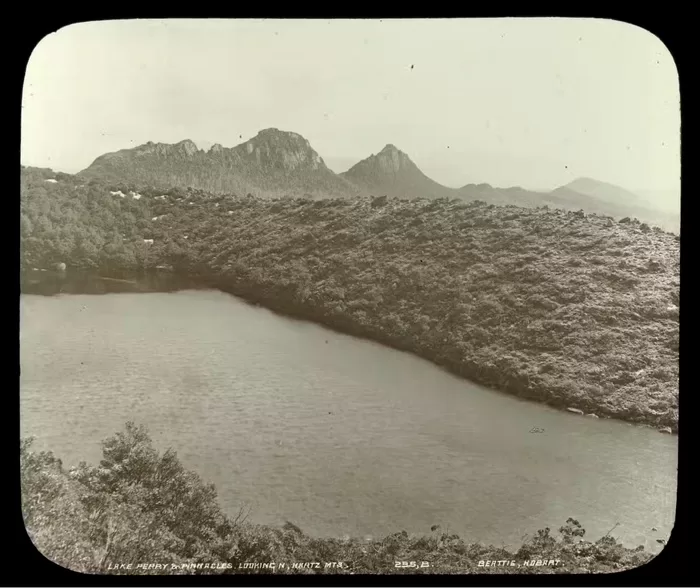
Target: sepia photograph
[(349, 296)]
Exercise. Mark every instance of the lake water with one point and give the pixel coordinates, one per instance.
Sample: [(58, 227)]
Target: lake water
[(338, 435)]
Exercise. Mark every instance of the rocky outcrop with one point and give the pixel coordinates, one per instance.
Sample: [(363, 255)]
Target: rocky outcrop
[(274, 163), (272, 148)]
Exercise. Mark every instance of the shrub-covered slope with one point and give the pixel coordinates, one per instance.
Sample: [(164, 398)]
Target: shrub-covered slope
[(573, 310), (139, 509)]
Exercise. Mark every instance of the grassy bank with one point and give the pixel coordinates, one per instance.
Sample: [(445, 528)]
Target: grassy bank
[(140, 507), (572, 310)]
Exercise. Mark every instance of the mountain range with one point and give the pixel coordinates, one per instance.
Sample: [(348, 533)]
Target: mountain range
[(278, 163)]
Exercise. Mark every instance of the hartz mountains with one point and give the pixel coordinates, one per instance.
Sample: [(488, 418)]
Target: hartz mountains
[(277, 163)]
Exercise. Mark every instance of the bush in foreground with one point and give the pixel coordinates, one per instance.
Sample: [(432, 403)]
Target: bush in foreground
[(139, 507)]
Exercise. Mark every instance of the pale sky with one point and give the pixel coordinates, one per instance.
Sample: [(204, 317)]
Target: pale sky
[(529, 102)]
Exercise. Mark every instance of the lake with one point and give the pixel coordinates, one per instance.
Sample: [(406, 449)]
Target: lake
[(338, 435)]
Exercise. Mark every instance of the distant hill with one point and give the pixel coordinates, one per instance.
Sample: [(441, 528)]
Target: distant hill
[(392, 173), (602, 191), (278, 163), (608, 199), (514, 196), (273, 163)]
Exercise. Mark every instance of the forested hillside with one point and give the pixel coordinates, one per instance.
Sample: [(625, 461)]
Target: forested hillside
[(573, 310)]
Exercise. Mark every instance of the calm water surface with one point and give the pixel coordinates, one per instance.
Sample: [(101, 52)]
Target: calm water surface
[(338, 435)]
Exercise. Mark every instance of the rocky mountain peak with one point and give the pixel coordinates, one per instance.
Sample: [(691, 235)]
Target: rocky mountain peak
[(390, 160), (187, 146), (281, 149), (390, 148), (391, 172)]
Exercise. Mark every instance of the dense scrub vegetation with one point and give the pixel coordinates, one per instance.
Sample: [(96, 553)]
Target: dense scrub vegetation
[(141, 507), (573, 310)]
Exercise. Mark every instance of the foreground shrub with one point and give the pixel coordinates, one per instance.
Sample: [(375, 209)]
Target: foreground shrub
[(141, 508)]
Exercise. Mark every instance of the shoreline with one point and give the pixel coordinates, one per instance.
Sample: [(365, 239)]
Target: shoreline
[(466, 370), (275, 299)]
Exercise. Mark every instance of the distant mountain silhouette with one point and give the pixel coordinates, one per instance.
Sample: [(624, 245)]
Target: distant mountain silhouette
[(392, 173), (273, 163), (608, 199), (278, 163), (515, 196), (602, 191)]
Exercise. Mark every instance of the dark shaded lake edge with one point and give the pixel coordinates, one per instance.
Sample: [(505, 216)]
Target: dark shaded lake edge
[(282, 302)]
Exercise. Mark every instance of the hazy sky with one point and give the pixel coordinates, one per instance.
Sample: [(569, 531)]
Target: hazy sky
[(530, 102)]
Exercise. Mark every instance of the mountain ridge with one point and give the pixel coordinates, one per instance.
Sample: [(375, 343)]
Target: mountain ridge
[(278, 163), (273, 163), (602, 190)]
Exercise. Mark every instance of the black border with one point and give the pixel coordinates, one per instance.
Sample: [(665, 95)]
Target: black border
[(25, 566)]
